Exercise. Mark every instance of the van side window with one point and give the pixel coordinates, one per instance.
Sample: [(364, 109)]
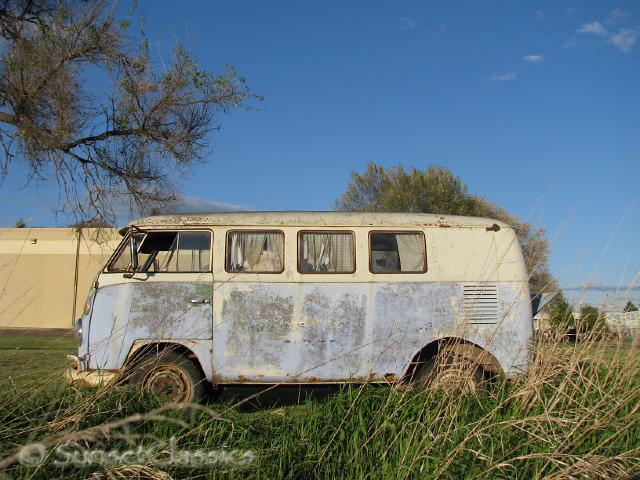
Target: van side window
[(255, 252), (175, 252), (326, 252), (194, 252), (397, 252)]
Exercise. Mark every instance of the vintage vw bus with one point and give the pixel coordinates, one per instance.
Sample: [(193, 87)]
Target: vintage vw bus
[(188, 301)]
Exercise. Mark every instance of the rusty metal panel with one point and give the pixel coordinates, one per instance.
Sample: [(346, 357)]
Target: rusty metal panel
[(107, 329), (351, 332), (333, 331), (292, 332), (406, 317), (128, 312), (319, 219), (252, 335), (164, 310)]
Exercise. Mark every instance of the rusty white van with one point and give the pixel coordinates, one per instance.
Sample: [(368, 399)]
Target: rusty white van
[(192, 301)]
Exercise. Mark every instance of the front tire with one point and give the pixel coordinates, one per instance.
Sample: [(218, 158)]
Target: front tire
[(171, 376)]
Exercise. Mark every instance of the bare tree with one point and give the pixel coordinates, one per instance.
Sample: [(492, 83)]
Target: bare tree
[(81, 103)]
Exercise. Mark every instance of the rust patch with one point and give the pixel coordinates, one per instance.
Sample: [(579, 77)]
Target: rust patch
[(493, 228), (298, 380), (390, 377), (260, 322), (163, 310), (333, 330)]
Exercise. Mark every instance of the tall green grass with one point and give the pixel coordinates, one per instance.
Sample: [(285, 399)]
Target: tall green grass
[(575, 415)]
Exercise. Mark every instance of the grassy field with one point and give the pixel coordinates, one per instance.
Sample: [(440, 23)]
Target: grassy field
[(25, 359), (576, 415)]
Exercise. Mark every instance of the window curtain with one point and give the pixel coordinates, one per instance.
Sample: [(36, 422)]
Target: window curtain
[(195, 260), (326, 252), (193, 251), (411, 251), (256, 252)]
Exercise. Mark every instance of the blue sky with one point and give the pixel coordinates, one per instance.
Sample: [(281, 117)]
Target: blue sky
[(536, 105)]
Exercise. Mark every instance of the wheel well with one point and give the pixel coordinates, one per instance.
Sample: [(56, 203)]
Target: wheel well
[(486, 360), (140, 351)]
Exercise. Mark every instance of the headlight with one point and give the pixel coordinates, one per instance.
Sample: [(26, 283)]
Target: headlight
[(79, 328)]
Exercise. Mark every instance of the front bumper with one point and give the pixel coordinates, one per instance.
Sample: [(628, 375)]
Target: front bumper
[(91, 378)]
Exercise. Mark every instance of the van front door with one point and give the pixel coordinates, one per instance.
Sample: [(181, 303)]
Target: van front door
[(169, 297)]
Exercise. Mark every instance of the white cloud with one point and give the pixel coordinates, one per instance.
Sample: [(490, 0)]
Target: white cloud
[(191, 204), (615, 17), (594, 28), (572, 43), (406, 23), (441, 29), (124, 210), (624, 39), (502, 77), (533, 58)]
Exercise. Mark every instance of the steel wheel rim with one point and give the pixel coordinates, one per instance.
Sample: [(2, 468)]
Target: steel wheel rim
[(456, 379), (168, 382)]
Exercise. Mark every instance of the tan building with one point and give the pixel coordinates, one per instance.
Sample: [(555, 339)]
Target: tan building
[(46, 274)]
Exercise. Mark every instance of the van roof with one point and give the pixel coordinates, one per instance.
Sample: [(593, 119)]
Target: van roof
[(325, 219)]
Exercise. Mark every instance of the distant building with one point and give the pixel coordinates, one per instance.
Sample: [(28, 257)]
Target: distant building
[(46, 274), (626, 324), (541, 317)]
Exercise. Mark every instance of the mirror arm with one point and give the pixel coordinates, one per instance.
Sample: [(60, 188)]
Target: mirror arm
[(133, 250), (134, 253)]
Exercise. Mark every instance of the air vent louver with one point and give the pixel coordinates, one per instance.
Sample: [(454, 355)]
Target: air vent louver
[(481, 304)]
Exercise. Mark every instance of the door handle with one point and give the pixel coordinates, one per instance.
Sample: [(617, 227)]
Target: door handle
[(199, 302)]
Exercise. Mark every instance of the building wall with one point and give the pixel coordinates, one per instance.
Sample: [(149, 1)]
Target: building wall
[(626, 324), (46, 273)]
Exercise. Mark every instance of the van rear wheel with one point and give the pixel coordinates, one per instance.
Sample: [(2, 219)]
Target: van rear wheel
[(171, 376), (451, 373)]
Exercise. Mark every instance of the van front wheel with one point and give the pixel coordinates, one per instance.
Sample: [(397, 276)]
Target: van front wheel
[(170, 376)]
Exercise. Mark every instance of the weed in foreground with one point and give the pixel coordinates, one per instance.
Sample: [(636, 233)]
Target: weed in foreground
[(575, 415)]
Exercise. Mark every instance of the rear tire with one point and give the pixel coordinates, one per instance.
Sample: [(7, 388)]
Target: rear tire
[(451, 373), (172, 376)]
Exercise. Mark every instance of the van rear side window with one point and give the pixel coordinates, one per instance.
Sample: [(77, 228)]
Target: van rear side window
[(255, 251), (326, 252), (397, 252)]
